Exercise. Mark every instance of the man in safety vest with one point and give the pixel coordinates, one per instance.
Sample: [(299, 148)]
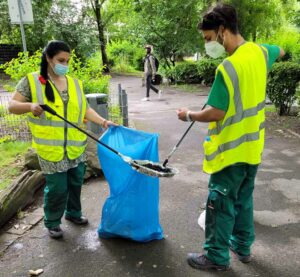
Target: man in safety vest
[(235, 140)]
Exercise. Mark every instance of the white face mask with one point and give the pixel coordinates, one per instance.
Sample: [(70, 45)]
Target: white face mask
[(214, 49)]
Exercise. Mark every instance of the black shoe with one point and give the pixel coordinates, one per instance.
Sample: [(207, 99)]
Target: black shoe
[(200, 261), (77, 220), (55, 232), (244, 259)]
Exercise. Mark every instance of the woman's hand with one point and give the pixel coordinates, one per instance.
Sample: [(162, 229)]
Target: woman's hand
[(92, 116), (36, 109), (106, 123)]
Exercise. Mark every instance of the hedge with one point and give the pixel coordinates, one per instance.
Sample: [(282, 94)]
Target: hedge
[(283, 80)]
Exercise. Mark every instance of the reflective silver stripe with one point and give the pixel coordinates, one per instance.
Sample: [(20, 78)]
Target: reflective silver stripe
[(240, 114), (52, 123), (233, 144), (38, 87), (50, 142), (38, 91), (79, 96), (56, 142), (76, 143), (236, 86), (238, 117), (265, 54)]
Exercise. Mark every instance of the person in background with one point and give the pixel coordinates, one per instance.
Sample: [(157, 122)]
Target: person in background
[(149, 73), (235, 140), (59, 146)]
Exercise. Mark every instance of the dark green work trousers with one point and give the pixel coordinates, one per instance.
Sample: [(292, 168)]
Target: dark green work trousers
[(62, 194), (229, 212)]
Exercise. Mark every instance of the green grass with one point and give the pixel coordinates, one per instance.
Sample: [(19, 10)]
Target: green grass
[(270, 108), (193, 88), (9, 85), (11, 161), (122, 68)]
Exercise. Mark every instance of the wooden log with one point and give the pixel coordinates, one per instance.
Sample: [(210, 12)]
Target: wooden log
[(20, 194)]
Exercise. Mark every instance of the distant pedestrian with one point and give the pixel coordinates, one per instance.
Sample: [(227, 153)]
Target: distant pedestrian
[(235, 140), (150, 69)]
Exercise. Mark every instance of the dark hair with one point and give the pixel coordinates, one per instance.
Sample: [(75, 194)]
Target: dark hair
[(221, 14), (53, 48)]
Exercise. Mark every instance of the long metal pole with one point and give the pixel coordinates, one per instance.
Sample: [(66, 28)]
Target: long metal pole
[(22, 27)]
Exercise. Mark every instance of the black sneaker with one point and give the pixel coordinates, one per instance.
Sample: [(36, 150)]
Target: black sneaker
[(55, 232), (200, 261), (244, 259), (77, 220)]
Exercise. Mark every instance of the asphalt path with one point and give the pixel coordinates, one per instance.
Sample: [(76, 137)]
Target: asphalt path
[(276, 251)]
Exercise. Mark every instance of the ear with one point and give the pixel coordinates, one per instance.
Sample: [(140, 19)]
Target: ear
[(221, 29), (48, 59)]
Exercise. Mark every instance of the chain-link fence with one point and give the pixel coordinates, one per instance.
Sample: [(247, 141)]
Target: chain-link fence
[(15, 127), (12, 127)]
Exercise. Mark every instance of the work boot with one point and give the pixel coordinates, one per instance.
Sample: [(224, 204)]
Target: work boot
[(55, 232), (200, 261), (77, 220), (242, 258)]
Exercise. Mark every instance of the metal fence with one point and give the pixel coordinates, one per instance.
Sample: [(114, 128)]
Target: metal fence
[(15, 127), (12, 127)]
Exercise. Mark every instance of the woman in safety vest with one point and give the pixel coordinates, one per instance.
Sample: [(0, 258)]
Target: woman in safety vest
[(60, 148), (235, 140)]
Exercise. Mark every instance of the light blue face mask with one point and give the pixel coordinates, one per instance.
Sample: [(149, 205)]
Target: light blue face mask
[(60, 69)]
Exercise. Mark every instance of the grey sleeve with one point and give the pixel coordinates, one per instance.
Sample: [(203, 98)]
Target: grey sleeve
[(24, 89), (152, 62)]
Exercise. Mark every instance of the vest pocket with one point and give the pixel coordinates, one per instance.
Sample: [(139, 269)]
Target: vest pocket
[(210, 146)]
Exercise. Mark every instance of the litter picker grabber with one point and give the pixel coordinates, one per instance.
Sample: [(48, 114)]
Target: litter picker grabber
[(142, 166)]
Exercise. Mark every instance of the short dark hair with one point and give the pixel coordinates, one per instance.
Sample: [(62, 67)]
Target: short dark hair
[(221, 14)]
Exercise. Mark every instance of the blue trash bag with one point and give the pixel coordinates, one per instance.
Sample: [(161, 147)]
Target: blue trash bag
[(132, 209)]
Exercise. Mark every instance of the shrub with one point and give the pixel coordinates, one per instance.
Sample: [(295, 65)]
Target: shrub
[(124, 52), (282, 84), (19, 67), (90, 72), (289, 40), (185, 72), (207, 70), (91, 66), (194, 72), (3, 111)]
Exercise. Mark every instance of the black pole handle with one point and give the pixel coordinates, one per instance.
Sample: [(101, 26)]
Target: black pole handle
[(178, 143), (50, 110)]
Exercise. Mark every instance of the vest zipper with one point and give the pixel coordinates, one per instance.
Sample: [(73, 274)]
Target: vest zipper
[(65, 129), (65, 116)]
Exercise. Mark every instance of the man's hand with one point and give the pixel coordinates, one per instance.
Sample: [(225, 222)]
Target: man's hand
[(36, 109), (182, 114)]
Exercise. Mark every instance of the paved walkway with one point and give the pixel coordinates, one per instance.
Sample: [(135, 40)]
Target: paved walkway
[(277, 209)]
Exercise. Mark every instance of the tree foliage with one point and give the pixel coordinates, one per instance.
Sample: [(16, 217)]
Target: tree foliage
[(170, 26)]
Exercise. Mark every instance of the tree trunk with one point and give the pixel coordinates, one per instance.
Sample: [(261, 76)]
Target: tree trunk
[(102, 41), (254, 35), (20, 194)]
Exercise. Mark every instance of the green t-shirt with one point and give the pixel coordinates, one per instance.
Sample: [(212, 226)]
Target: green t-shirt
[(219, 96)]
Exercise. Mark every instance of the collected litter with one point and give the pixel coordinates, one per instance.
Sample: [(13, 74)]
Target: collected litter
[(36, 272)]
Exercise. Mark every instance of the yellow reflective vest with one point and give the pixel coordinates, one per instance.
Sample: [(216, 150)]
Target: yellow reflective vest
[(239, 137), (52, 137)]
